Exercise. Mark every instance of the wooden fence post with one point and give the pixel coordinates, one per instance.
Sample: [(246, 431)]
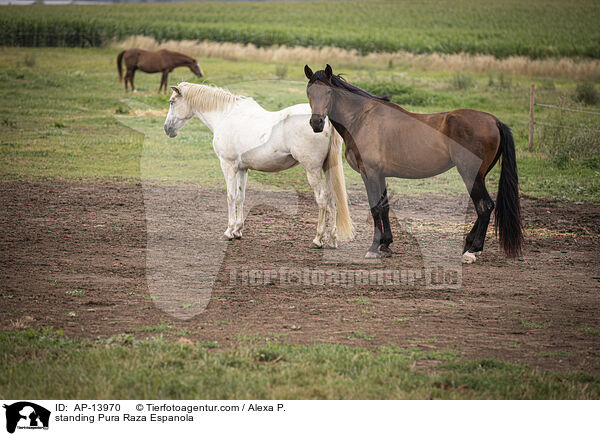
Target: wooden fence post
[(531, 104)]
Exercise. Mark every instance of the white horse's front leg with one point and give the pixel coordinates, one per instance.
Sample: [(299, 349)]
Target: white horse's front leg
[(230, 173), (315, 181), (242, 177)]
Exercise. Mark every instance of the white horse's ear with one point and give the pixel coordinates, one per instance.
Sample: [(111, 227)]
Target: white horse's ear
[(176, 90), (308, 72)]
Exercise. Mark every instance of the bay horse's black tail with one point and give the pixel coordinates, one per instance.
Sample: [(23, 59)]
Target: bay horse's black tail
[(119, 66), (508, 209)]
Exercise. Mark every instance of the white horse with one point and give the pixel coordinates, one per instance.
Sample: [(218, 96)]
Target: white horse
[(246, 136)]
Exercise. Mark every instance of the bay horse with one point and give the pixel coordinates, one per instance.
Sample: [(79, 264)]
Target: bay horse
[(384, 140), (163, 61), (248, 137)]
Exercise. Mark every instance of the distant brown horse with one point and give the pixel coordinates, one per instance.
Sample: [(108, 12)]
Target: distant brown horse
[(163, 61), (384, 140)]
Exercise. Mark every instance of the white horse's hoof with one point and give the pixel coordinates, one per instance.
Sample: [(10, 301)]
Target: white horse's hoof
[(332, 246), (237, 235), (316, 244), (372, 255), (228, 235), (468, 257)]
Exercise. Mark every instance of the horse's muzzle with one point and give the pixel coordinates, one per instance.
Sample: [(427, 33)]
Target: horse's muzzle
[(171, 133), (317, 122)]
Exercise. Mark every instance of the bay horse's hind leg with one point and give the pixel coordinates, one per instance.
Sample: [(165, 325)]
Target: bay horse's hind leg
[(131, 76), (128, 76), (484, 205), (471, 236)]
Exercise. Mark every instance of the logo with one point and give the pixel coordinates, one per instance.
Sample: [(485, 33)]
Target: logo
[(26, 415)]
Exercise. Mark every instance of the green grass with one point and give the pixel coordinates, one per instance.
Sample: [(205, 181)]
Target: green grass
[(536, 28), (534, 325), (159, 328), (361, 299), (590, 330), (163, 329), (45, 364), (69, 119), (403, 319), (555, 354), (361, 335), (208, 344)]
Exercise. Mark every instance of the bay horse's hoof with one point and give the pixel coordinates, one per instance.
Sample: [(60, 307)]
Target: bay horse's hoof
[(468, 257), (385, 251), (372, 255)]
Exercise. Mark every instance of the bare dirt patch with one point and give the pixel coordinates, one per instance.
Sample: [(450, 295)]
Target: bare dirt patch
[(73, 256)]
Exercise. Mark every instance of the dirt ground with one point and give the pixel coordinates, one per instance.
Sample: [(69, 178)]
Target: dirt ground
[(90, 259)]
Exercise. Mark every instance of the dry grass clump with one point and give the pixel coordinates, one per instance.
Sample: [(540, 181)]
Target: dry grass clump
[(551, 67)]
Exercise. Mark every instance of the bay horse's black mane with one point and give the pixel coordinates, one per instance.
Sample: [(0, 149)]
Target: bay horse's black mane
[(339, 82)]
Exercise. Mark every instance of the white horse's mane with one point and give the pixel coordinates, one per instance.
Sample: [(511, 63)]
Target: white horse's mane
[(206, 98)]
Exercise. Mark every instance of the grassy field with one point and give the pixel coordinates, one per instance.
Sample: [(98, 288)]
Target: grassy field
[(64, 116), (70, 119), (448, 26), (121, 367)]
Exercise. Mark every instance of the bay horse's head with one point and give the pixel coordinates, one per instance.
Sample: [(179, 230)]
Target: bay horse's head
[(322, 90), (320, 95), (195, 67), (180, 111)]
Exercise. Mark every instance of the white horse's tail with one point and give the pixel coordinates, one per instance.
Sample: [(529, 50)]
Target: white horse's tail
[(334, 173)]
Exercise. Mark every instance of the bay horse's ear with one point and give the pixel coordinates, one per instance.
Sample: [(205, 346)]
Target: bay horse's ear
[(176, 89), (308, 72), (328, 71)]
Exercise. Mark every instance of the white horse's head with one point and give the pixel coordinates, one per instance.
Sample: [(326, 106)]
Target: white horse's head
[(180, 111)]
